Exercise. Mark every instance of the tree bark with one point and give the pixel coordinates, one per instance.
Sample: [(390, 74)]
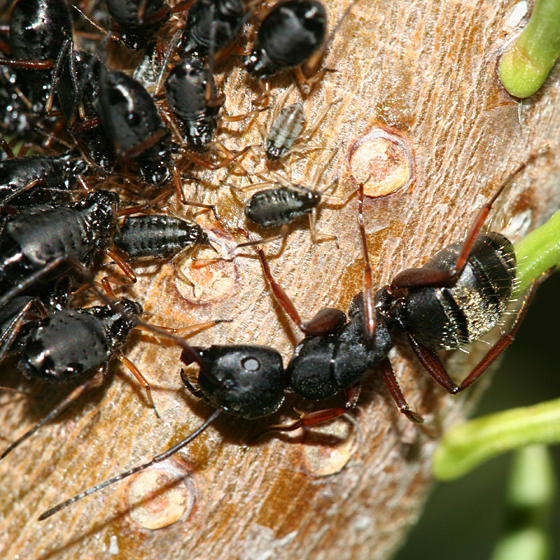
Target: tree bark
[(423, 69)]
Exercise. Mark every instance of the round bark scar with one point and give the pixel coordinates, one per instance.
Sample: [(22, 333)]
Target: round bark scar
[(329, 449), (159, 497), (383, 160), (206, 279)]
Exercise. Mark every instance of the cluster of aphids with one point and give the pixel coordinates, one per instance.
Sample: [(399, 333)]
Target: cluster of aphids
[(92, 124)]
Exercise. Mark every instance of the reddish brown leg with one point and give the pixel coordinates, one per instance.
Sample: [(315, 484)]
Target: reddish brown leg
[(28, 64), (505, 340), (141, 379), (120, 261), (326, 320), (319, 416), (144, 145), (433, 365), (6, 147), (419, 277), (393, 386)]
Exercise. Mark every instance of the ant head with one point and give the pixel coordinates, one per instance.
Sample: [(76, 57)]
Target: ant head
[(246, 381)]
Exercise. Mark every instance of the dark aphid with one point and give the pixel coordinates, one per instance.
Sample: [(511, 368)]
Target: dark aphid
[(130, 118), (37, 243), (29, 181), (71, 344), (40, 31), (187, 88), (289, 35), (211, 25), (138, 20), (282, 205), (158, 236)]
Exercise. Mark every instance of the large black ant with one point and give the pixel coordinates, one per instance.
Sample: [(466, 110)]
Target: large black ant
[(339, 350)]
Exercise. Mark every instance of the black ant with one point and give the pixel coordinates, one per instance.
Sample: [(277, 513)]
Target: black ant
[(339, 350)]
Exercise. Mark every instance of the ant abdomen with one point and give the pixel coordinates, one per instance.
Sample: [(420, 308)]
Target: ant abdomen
[(441, 317)]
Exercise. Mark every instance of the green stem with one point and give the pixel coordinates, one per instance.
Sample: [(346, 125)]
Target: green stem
[(537, 252), (465, 446), (524, 67)]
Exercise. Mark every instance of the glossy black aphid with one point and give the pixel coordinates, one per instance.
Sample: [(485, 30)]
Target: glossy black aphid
[(339, 350), (36, 243), (28, 181), (138, 20), (187, 88), (40, 30), (282, 205), (72, 344), (130, 118), (158, 236), (211, 25), (289, 35)]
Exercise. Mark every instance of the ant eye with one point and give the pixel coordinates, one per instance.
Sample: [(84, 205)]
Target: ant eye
[(251, 364)]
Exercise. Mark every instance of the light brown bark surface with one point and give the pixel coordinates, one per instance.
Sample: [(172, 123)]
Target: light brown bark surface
[(425, 68)]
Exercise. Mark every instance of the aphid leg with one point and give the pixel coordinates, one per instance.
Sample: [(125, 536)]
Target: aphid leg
[(283, 235), (120, 261), (505, 339), (95, 381), (313, 230), (325, 321), (168, 54), (140, 378), (395, 391), (157, 459), (6, 147)]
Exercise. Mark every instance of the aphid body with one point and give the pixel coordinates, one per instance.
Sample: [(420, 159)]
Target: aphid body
[(291, 32), (72, 342), (186, 90), (158, 236), (275, 207), (211, 25), (285, 130)]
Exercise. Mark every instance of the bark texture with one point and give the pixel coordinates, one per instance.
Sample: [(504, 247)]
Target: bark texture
[(350, 490)]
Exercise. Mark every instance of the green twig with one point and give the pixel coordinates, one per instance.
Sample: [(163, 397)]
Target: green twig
[(524, 67)]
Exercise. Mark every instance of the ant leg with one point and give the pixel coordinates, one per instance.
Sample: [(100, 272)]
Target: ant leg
[(157, 459), (393, 386), (18, 191), (141, 379), (319, 416), (325, 321), (421, 277), (505, 340), (6, 147), (432, 364), (95, 381)]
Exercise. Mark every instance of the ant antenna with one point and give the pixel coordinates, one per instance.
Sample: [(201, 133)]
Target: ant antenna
[(134, 470)]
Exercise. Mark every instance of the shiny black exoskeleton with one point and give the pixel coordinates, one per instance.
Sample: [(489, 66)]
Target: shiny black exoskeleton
[(282, 205), (158, 236), (73, 342), (36, 243), (246, 381), (39, 31), (289, 35), (29, 181), (211, 25), (138, 20), (186, 91), (130, 118)]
